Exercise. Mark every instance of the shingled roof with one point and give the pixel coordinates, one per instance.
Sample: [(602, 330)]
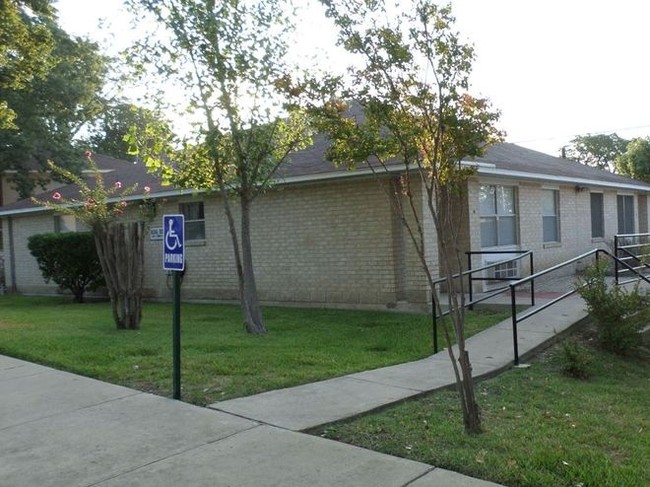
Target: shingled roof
[(113, 170), (528, 163), (500, 160)]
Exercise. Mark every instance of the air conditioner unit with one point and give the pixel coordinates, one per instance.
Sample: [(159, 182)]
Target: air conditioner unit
[(508, 271)]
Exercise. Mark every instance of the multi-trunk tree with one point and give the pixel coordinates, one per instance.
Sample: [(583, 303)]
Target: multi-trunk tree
[(119, 242), (226, 57), (411, 82)]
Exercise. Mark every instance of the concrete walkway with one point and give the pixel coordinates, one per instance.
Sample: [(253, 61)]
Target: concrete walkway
[(491, 351), (60, 429)]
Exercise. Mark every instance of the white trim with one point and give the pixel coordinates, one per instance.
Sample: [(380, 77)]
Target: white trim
[(483, 170), (521, 175)]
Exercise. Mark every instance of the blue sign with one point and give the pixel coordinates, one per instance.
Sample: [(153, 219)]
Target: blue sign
[(174, 242)]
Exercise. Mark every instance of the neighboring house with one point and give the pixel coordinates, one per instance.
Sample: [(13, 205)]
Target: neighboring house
[(327, 236), (8, 195)]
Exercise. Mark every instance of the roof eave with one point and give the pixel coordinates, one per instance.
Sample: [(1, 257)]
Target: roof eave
[(529, 176)]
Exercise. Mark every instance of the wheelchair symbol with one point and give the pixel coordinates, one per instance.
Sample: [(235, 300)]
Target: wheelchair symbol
[(172, 241)]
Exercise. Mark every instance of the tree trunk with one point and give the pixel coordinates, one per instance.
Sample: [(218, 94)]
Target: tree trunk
[(248, 299), (253, 320), (471, 410), (448, 248), (78, 293), (120, 247)]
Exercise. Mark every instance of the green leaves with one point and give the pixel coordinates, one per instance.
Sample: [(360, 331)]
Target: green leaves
[(99, 205), (50, 86), (411, 86), (635, 161), (599, 150), (227, 57), (69, 259)]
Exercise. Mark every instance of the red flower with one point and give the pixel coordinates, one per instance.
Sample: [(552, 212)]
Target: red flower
[(56, 196)]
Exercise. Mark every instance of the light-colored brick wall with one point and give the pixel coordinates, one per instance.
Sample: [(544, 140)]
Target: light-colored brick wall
[(324, 243), (334, 242), (575, 221), (28, 277)]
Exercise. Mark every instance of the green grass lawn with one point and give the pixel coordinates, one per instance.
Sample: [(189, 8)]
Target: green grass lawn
[(542, 429), (219, 360)]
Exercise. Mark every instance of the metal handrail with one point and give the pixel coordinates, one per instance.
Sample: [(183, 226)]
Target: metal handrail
[(618, 249), (513, 300), (523, 254), (469, 272)]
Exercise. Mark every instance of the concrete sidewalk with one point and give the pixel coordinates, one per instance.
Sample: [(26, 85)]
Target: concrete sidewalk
[(60, 429), (491, 351)]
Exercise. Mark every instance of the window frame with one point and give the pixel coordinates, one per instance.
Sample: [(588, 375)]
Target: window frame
[(554, 215), (499, 217), (623, 210), (601, 209), (191, 220)]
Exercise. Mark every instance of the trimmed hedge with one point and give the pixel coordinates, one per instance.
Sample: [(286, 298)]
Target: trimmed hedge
[(68, 259)]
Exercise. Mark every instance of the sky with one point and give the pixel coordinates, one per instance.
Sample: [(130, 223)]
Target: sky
[(554, 68)]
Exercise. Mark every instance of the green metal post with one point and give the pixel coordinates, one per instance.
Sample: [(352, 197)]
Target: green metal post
[(176, 337)]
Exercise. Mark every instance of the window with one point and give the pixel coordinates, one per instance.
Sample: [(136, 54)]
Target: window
[(597, 216), (194, 220), (625, 210), (498, 216), (550, 215), (64, 223)]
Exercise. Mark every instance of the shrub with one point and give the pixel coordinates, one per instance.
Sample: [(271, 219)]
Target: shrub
[(619, 314), (68, 259), (575, 359)]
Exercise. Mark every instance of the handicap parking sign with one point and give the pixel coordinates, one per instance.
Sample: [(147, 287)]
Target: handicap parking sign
[(174, 242)]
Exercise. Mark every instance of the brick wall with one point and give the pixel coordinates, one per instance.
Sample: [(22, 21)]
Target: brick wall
[(28, 277), (575, 221), (327, 243), (334, 242)]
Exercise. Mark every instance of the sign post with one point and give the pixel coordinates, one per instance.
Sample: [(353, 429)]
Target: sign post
[(174, 261)]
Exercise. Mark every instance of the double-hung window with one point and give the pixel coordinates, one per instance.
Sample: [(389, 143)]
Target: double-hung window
[(550, 215), (498, 216), (194, 220)]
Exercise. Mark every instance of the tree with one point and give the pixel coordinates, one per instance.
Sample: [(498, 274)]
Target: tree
[(68, 259), (50, 109), (635, 161), (599, 151), (412, 87), (227, 56), (25, 48), (119, 245), (114, 123)]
